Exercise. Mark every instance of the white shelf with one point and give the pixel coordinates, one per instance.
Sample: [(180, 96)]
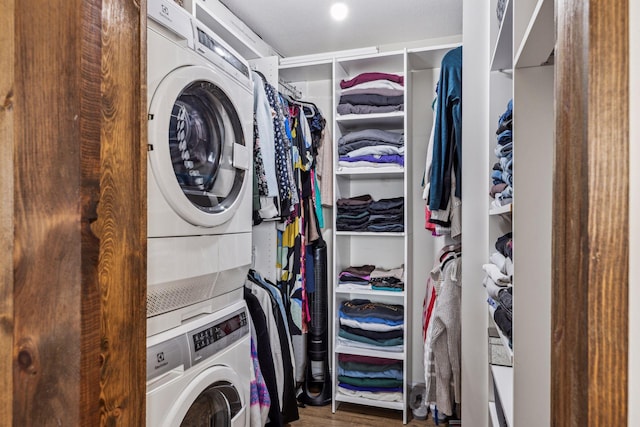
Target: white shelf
[(395, 355), (369, 233), (493, 414), (539, 37), (506, 209), (503, 379), (366, 173), (369, 292), (502, 58), (386, 62), (503, 337), (369, 402), (377, 120), (306, 71)]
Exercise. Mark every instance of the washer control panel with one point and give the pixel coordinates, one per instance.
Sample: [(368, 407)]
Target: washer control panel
[(211, 338)]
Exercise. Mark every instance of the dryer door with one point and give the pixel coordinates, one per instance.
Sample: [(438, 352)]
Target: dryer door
[(211, 399), (197, 149)]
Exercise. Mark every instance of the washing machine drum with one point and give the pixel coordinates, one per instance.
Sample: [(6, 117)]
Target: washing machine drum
[(197, 154), (217, 405)]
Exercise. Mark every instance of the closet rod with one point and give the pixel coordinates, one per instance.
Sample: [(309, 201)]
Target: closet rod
[(293, 91)]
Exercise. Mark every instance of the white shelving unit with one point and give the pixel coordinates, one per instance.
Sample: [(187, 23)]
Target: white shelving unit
[(500, 218), (520, 70), (382, 249), (387, 250)]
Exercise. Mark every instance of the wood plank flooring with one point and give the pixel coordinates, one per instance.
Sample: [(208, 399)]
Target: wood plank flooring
[(349, 415)]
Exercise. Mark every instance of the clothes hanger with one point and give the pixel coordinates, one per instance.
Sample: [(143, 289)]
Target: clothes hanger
[(310, 105)]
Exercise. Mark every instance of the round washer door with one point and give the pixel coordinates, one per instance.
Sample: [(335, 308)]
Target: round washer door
[(211, 399), (194, 133)]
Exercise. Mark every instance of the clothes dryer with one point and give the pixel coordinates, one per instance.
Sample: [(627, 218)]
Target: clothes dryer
[(200, 119), (198, 374)]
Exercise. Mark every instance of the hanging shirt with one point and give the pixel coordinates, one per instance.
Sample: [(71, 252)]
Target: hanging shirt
[(447, 144), (265, 131)]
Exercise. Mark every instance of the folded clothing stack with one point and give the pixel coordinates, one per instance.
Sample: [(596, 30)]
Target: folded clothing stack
[(371, 277), (369, 93), (502, 173), (372, 325), (370, 377), (371, 148), (362, 213), (356, 277), (388, 280), (353, 213), (498, 283)]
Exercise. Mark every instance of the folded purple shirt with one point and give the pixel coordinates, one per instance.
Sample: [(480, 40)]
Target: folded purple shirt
[(388, 158), (367, 77)]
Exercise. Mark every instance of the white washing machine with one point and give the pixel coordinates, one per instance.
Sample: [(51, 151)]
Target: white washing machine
[(199, 197), (199, 373)]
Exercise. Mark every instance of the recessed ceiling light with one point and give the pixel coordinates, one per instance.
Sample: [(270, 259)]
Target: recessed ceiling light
[(339, 11)]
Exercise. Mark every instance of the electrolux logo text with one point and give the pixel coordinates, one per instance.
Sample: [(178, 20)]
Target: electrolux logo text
[(161, 361), (164, 12)]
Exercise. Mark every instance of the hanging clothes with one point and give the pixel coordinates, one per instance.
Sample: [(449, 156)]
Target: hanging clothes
[(442, 181), (264, 139), (260, 402), (443, 337), (447, 146), (265, 356)]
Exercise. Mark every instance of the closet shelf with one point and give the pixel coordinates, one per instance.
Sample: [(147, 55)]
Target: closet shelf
[(377, 120), (305, 71), (369, 233), (395, 355), (503, 337), (506, 209), (369, 292), (503, 380), (367, 173), (539, 37), (493, 414), (502, 58), (370, 402)]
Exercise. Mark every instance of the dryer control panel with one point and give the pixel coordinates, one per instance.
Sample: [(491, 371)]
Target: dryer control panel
[(209, 339)]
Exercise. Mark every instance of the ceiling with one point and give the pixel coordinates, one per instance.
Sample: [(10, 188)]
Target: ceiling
[(304, 27)]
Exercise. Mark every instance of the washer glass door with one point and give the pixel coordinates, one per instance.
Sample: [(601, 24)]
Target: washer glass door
[(215, 406)]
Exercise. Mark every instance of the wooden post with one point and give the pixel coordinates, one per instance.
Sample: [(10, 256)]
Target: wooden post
[(591, 201), (73, 213)]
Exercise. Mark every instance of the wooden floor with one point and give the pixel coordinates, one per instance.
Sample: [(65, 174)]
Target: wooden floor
[(349, 415)]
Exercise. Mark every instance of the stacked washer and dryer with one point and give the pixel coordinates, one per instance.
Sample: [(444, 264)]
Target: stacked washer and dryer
[(199, 223)]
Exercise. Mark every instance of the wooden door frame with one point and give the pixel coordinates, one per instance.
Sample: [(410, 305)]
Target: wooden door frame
[(73, 212), (590, 279)]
